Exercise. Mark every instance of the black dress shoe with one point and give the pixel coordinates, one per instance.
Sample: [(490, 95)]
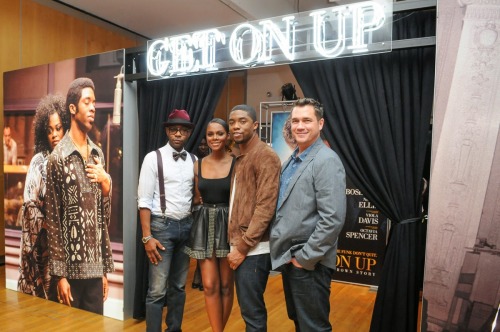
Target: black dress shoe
[(195, 285)]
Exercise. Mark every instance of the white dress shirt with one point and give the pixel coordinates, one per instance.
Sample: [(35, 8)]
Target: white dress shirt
[(178, 181)]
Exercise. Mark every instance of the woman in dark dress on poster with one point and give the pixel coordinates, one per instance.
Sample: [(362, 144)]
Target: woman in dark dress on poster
[(50, 124), (208, 241)]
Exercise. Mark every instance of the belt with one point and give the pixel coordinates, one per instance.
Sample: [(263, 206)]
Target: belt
[(215, 205), (165, 218)]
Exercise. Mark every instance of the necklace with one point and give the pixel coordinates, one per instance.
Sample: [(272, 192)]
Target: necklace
[(85, 156)]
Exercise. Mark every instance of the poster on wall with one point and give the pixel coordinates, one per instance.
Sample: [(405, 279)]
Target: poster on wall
[(362, 242), (360, 253), (281, 142), (36, 124)]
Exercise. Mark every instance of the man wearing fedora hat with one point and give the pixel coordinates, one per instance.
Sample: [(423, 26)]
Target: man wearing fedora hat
[(165, 194)]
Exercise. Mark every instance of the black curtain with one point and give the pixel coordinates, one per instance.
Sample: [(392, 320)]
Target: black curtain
[(198, 95), (377, 118)]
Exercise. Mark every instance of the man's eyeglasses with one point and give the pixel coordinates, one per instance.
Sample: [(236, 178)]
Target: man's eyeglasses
[(174, 130)]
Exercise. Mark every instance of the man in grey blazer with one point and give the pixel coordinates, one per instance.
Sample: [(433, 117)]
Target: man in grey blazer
[(309, 217)]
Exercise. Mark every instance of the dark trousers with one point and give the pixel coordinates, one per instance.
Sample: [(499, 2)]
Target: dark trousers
[(251, 281), (87, 294), (307, 296)]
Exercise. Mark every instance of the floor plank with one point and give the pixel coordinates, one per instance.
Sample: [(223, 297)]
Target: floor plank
[(351, 308)]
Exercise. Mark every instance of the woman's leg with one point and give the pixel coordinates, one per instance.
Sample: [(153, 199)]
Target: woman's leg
[(227, 289), (197, 283), (211, 288)]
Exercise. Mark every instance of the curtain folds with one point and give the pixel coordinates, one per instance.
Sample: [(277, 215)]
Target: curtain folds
[(196, 94), (199, 96), (377, 118)]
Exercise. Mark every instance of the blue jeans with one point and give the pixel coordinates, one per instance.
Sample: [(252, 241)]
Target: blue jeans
[(172, 270), (251, 281), (307, 296)]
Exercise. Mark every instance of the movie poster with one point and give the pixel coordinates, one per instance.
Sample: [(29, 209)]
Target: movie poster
[(281, 146), (362, 242), (23, 90)]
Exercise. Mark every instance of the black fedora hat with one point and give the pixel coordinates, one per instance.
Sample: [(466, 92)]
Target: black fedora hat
[(178, 117)]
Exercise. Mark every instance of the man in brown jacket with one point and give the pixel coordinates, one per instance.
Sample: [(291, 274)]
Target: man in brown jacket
[(254, 192)]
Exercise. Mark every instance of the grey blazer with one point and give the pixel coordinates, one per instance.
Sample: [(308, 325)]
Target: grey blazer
[(312, 212)]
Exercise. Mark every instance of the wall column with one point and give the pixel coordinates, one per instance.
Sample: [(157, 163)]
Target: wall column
[(463, 154)]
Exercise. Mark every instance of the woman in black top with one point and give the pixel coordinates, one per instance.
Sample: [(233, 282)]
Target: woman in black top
[(208, 239)]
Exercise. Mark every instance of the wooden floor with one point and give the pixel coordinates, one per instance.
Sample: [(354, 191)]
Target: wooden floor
[(351, 308)]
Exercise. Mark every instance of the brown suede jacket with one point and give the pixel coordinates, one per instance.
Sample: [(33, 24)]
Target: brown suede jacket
[(257, 175)]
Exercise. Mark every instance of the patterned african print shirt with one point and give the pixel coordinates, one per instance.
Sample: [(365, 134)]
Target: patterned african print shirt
[(34, 277), (77, 215)]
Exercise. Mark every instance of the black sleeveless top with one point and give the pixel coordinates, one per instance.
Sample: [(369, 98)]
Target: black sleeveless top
[(214, 191)]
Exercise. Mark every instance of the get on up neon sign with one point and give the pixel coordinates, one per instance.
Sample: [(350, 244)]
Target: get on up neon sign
[(347, 30)]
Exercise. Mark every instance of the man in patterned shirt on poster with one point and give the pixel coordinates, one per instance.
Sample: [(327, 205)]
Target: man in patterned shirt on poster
[(78, 208)]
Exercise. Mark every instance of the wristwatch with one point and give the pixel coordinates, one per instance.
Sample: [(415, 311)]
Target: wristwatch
[(146, 239)]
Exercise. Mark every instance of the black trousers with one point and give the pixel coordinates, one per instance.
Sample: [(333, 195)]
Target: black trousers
[(87, 294)]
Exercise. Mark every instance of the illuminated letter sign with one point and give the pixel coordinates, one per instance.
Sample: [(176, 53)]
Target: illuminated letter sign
[(175, 56), (347, 30), (285, 40), (207, 41), (243, 35), (322, 38), (365, 18)]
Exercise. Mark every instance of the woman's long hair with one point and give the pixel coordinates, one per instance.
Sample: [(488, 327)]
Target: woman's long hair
[(47, 106)]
